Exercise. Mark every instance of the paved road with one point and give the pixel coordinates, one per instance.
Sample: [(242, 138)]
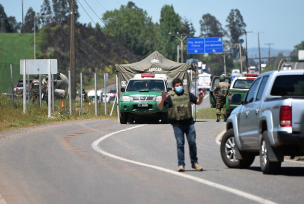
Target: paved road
[(94, 161)]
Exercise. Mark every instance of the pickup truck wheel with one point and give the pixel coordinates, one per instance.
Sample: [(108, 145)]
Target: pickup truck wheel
[(123, 118), (267, 166), (227, 149)]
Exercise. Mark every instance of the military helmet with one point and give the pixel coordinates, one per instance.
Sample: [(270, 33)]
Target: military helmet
[(222, 77)]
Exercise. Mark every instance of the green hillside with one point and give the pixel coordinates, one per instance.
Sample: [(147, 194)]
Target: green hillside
[(14, 47), (95, 52)]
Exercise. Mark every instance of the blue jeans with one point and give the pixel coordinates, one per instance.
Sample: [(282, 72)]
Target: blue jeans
[(179, 131)]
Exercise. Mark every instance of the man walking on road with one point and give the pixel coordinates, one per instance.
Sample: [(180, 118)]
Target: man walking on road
[(221, 91), (180, 115)]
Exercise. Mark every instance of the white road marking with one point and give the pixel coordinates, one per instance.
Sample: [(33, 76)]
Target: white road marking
[(249, 196), (218, 138)]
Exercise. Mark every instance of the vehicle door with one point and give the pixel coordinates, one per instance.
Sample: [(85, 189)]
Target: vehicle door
[(212, 96), (247, 117)]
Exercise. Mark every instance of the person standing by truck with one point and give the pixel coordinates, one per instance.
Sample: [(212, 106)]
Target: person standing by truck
[(221, 91), (35, 88), (180, 115)]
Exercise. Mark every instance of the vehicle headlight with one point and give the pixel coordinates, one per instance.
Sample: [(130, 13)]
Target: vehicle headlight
[(125, 98), (158, 98)]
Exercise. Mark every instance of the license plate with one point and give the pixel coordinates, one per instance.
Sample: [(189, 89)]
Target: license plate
[(142, 105)]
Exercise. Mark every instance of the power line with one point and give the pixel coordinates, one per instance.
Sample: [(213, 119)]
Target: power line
[(101, 5), (86, 12), (118, 2), (92, 10)]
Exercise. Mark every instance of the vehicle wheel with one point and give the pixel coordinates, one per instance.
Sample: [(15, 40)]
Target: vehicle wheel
[(165, 118), (267, 166), (228, 149), (123, 118)]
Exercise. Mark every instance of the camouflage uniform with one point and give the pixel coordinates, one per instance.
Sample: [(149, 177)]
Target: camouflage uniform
[(222, 90), (35, 90)]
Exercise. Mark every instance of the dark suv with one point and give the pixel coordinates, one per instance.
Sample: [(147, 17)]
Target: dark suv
[(19, 86)]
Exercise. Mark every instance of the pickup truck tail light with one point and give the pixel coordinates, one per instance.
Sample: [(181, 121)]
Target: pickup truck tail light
[(285, 116), (230, 96)]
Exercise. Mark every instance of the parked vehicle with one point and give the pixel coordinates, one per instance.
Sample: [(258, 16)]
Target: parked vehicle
[(112, 94), (101, 97), (204, 81), (286, 66), (19, 87), (141, 97), (238, 90), (140, 87), (269, 123), (301, 55)]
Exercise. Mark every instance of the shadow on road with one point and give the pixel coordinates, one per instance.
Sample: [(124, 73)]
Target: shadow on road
[(285, 171)]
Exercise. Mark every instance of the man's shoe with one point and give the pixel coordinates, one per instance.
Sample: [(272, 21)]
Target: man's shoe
[(197, 167), (225, 118), (218, 118), (181, 169)]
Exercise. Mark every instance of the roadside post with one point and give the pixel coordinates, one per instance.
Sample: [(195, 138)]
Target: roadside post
[(96, 99), (105, 90), (81, 97), (12, 85), (70, 94)]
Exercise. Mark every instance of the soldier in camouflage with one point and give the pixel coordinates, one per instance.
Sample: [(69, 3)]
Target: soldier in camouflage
[(35, 89), (221, 90)]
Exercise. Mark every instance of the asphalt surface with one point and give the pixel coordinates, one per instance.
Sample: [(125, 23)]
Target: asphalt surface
[(85, 162)]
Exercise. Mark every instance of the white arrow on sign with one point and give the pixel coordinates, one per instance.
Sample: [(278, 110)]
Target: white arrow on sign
[(213, 50), (195, 51)]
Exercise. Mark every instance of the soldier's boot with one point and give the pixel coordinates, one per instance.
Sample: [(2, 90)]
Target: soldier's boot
[(225, 117), (218, 118)]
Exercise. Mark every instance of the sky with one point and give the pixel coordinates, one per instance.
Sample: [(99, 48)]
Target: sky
[(278, 22)]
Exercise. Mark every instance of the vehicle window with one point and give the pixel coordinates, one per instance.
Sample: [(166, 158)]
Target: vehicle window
[(290, 85), (252, 91), (242, 84), (150, 85), (262, 87)]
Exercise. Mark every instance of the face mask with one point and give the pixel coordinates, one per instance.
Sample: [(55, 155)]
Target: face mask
[(178, 89)]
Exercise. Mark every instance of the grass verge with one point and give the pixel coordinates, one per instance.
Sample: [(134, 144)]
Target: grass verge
[(13, 117)]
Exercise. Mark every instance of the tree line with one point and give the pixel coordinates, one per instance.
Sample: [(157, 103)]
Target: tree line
[(58, 12), (134, 27)]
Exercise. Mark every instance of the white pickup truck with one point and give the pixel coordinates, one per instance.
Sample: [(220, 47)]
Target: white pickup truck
[(269, 123)]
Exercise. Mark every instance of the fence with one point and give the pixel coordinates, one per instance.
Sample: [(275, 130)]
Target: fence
[(5, 76)]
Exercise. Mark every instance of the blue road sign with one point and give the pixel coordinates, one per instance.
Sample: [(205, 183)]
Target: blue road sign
[(195, 45), (204, 45), (213, 45)]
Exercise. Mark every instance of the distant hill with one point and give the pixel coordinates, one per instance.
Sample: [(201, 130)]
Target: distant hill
[(14, 47), (95, 51)]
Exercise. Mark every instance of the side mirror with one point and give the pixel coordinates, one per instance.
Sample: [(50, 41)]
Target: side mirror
[(122, 89)]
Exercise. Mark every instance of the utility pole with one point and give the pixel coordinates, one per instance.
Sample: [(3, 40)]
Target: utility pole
[(22, 18), (269, 49), (72, 51), (259, 51), (181, 38), (247, 50)]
